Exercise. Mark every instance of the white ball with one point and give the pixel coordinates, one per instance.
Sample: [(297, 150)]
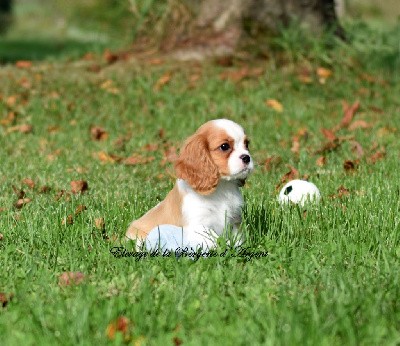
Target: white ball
[(299, 192)]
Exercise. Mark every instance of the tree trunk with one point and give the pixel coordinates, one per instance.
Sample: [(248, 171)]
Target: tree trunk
[(219, 26)]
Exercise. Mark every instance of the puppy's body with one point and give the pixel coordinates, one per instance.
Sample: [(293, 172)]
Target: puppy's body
[(212, 166)]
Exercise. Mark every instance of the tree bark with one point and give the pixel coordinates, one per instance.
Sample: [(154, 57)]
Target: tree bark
[(219, 26)]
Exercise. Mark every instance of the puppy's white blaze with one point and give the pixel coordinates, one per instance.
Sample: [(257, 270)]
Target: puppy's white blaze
[(213, 211), (237, 168)]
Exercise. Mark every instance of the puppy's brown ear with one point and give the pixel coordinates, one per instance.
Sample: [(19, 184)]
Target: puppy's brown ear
[(196, 167)]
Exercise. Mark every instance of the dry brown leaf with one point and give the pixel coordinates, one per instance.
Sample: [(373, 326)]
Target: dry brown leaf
[(80, 208), (28, 182), (69, 220), (272, 162), (350, 165), (328, 134), (109, 86), (121, 325), (110, 57), (349, 112), (302, 133), (21, 202), (329, 146), (98, 133), (23, 64), (292, 174), (357, 148), (70, 278), (11, 100), (170, 155), (137, 160), (5, 298), (19, 192), (275, 105), (100, 223), (150, 147), (323, 74), (9, 119), (24, 128), (163, 80), (1, 234), (108, 158), (53, 128), (177, 341), (342, 192), (321, 161), (377, 156), (359, 124), (79, 186)]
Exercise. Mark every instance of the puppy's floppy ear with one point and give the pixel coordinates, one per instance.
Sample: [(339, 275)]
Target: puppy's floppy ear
[(196, 167)]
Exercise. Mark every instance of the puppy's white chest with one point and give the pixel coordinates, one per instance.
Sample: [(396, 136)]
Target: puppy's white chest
[(216, 211)]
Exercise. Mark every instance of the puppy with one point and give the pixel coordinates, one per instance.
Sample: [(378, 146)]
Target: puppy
[(212, 166)]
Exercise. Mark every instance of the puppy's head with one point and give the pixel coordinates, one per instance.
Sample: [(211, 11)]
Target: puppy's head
[(218, 150)]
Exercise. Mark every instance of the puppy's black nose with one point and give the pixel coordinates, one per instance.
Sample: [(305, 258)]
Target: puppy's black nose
[(245, 158)]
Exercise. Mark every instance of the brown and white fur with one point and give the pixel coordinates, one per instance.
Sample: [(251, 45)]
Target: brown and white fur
[(213, 164)]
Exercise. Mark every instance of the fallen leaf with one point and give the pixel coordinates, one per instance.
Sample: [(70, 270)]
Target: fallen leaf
[(23, 64), (108, 86), (292, 174), (110, 57), (79, 186), (137, 160), (53, 128), (341, 192), (69, 220), (100, 223), (1, 234), (11, 100), (377, 156), (275, 105), (357, 148), (359, 124), (150, 147), (328, 134), (5, 298), (328, 147), (98, 133), (28, 182), (21, 202), (272, 162), (19, 192), (349, 112), (302, 133), (156, 61), (177, 341), (321, 161), (121, 325), (350, 166), (108, 158), (244, 72), (9, 119), (385, 131), (80, 208), (170, 155), (24, 128), (163, 80), (70, 278), (323, 74)]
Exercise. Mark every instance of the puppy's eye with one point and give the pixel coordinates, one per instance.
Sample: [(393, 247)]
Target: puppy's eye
[(247, 144), (225, 147)]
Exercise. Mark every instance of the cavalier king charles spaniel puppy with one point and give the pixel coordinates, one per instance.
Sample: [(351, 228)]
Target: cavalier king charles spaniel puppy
[(206, 200)]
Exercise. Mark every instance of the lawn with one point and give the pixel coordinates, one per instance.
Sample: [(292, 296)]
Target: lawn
[(331, 274)]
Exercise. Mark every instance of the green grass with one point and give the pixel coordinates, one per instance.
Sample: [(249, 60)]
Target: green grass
[(331, 276)]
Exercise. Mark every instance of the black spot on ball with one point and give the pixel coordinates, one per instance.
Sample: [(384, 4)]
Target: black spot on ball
[(288, 190)]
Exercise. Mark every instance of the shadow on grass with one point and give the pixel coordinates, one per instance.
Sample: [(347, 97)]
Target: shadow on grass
[(40, 49)]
